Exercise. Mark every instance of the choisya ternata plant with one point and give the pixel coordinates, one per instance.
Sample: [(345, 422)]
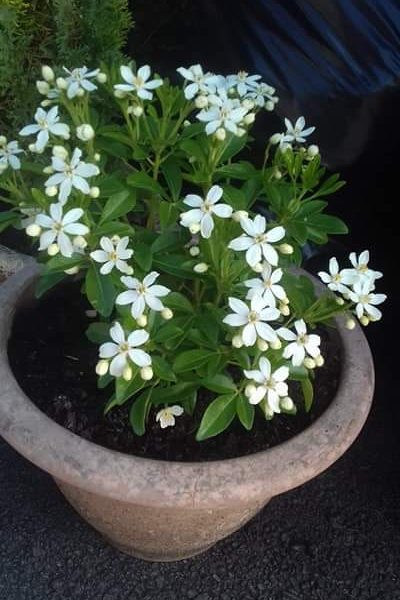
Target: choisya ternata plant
[(184, 249)]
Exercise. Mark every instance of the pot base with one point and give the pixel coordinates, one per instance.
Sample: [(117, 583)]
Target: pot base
[(150, 557)]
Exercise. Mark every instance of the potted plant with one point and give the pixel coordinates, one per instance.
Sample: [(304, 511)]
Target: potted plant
[(141, 192)]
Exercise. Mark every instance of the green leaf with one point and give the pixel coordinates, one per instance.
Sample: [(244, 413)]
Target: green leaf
[(173, 393), (104, 380), (173, 177), (59, 264), (178, 302), (139, 411), (221, 384), (240, 170), (308, 393), (245, 411), (143, 256), (117, 205), (193, 148), (167, 332), (171, 239), (217, 417), (188, 402), (126, 389), (328, 224), (8, 218), (175, 264), (98, 332), (114, 228), (143, 181), (168, 213), (192, 359), (298, 373), (163, 369), (232, 147), (46, 282), (100, 291)]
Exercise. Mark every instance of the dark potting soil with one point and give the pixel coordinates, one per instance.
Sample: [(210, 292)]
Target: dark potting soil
[(54, 364)]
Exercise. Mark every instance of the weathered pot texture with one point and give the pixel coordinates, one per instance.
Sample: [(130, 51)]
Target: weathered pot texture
[(163, 511)]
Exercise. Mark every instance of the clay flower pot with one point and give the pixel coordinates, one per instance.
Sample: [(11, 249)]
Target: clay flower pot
[(164, 511)]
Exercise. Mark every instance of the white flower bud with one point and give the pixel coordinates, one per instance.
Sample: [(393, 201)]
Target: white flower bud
[(285, 249), (286, 403), (80, 92), (167, 314), (3, 140), (237, 341), (45, 103), (200, 268), (51, 191), (94, 192), (285, 146), (276, 344), (115, 239), (119, 94), (201, 102), (220, 134), (364, 320), (129, 270), (262, 345), (72, 271), (249, 390), (268, 412), (33, 230), (194, 251), (186, 123), (248, 104), (53, 249), (257, 268), (276, 138), (249, 119), (312, 150), (319, 360), (48, 170), (284, 309), (146, 373), (32, 148), (102, 367), (194, 228), (91, 314), (127, 373), (285, 300), (240, 132), (47, 73), (42, 87), (142, 321), (101, 77), (61, 83), (309, 363), (277, 174), (339, 301), (80, 242), (350, 324), (137, 111), (269, 105), (60, 152), (192, 159), (97, 157), (85, 132), (238, 215)]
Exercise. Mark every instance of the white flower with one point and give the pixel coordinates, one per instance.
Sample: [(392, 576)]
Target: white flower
[(166, 416), (60, 228), (366, 301), (204, 83), (252, 319), (142, 293), (8, 155), (257, 242), (78, 79), (46, 123), (361, 271), (271, 384), (267, 286), (71, 174), (300, 343), (113, 254), (296, 132), (203, 209), (123, 349), (30, 215), (243, 82), (335, 279), (263, 94), (224, 113), (138, 82)]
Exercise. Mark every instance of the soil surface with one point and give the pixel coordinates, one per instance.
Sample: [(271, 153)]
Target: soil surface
[(54, 363)]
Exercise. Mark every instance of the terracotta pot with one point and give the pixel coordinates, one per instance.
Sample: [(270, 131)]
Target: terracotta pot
[(164, 511)]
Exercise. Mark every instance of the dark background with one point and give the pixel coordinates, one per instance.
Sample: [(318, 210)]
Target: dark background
[(337, 537)]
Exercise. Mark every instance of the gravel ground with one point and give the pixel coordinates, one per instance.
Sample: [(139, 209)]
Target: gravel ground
[(336, 538)]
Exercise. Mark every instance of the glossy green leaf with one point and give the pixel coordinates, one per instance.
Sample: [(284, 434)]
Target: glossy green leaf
[(245, 411), (217, 417), (100, 291), (308, 393), (162, 369), (221, 384), (192, 359), (143, 181), (139, 410), (117, 205)]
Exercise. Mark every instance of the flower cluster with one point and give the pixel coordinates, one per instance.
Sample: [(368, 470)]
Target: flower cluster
[(184, 251)]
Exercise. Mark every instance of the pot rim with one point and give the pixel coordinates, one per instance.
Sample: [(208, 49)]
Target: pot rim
[(145, 481)]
